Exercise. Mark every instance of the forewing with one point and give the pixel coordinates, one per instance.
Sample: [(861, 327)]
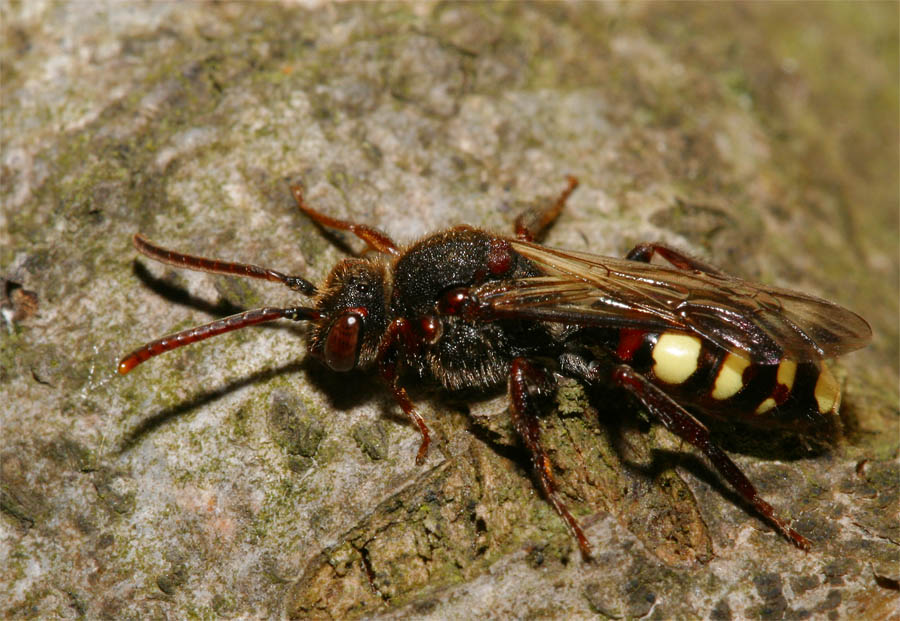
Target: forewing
[(765, 323)]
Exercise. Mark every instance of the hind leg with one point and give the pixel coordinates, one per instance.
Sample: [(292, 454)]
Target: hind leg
[(644, 252), (533, 223)]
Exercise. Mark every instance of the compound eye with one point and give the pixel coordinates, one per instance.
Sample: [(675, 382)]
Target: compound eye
[(342, 342)]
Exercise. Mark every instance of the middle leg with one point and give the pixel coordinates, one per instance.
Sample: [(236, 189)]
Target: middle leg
[(527, 383)]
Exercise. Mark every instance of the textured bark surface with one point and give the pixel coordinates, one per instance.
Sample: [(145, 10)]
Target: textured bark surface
[(236, 479)]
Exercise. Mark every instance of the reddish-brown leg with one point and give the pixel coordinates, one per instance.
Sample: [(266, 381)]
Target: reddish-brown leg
[(533, 223), (220, 326), (202, 264), (645, 252), (399, 343), (526, 383), (680, 422), (376, 240)]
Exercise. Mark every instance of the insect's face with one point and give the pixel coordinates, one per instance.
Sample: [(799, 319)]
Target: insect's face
[(353, 302)]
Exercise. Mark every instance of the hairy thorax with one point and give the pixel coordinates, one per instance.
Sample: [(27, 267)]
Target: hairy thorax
[(460, 353)]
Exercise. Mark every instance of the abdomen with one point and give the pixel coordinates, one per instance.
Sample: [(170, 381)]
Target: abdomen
[(727, 385)]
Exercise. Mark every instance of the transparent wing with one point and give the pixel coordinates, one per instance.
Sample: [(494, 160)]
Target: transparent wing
[(766, 323)]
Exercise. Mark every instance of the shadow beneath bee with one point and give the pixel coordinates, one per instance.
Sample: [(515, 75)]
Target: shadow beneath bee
[(500, 437), (345, 391), (223, 308), (160, 418), (773, 444), (663, 460), (732, 436), (164, 288)]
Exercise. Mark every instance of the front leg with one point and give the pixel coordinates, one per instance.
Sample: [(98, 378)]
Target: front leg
[(527, 384), (399, 343), (375, 239)]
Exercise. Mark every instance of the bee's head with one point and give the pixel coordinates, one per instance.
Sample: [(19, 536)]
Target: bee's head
[(353, 302)]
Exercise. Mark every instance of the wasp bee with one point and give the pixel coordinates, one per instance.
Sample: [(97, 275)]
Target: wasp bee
[(465, 308)]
